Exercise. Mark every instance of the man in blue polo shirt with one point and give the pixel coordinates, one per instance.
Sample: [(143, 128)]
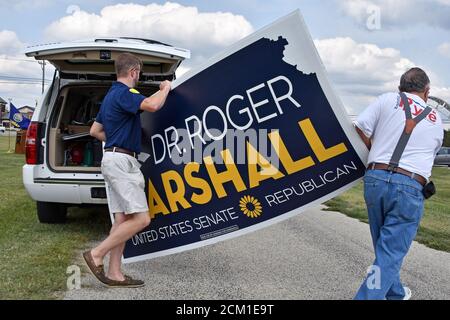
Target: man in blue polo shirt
[(118, 123)]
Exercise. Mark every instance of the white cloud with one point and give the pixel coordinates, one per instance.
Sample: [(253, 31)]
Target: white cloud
[(441, 92), (362, 71), (181, 70), (400, 12), (9, 42), (202, 32), (444, 49), (16, 70)]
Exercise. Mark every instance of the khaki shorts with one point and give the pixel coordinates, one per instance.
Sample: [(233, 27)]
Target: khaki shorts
[(124, 183)]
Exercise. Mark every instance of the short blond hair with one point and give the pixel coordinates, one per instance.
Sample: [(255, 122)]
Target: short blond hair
[(125, 62)]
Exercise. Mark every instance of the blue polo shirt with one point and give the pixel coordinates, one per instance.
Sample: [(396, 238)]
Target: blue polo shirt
[(119, 114)]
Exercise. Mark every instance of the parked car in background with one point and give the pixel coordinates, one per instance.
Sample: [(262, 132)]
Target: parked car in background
[(2, 129), (443, 157)]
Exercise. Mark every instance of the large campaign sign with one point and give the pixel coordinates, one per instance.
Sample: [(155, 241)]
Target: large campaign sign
[(254, 136)]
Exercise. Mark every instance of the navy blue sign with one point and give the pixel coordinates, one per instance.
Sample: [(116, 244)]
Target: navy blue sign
[(245, 142)]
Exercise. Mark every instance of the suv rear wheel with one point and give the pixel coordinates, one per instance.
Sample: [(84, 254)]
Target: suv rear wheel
[(49, 212)]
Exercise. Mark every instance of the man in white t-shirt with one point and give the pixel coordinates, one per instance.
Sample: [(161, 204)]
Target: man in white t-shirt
[(394, 198)]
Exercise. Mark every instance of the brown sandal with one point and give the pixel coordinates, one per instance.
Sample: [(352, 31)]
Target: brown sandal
[(97, 271)]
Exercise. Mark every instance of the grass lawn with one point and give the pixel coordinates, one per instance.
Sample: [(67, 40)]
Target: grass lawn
[(34, 257), (434, 229)]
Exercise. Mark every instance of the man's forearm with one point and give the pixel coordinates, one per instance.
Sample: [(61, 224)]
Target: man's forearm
[(364, 138), (156, 101), (160, 98)]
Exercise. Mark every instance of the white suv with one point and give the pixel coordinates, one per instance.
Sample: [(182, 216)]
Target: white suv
[(62, 160)]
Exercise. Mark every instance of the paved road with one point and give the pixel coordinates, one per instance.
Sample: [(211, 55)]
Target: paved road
[(316, 255)]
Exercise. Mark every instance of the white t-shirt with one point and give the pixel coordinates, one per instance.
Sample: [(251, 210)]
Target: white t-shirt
[(384, 121)]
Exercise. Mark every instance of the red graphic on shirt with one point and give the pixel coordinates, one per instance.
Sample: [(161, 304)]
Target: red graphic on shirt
[(418, 109), (432, 116), (410, 101)]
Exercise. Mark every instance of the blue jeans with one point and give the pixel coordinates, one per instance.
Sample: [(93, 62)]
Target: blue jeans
[(395, 207)]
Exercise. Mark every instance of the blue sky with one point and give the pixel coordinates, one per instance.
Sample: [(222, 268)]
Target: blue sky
[(417, 35)]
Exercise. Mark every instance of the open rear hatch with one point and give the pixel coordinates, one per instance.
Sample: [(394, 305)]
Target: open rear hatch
[(70, 148), (97, 56)]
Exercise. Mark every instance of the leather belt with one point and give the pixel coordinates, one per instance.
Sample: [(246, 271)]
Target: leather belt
[(386, 167), (121, 150)]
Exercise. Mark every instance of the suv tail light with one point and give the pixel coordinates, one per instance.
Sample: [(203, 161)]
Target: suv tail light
[(32, 143)]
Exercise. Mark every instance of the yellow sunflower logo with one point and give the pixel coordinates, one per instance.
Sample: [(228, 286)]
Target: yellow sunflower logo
[(250, 206)]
